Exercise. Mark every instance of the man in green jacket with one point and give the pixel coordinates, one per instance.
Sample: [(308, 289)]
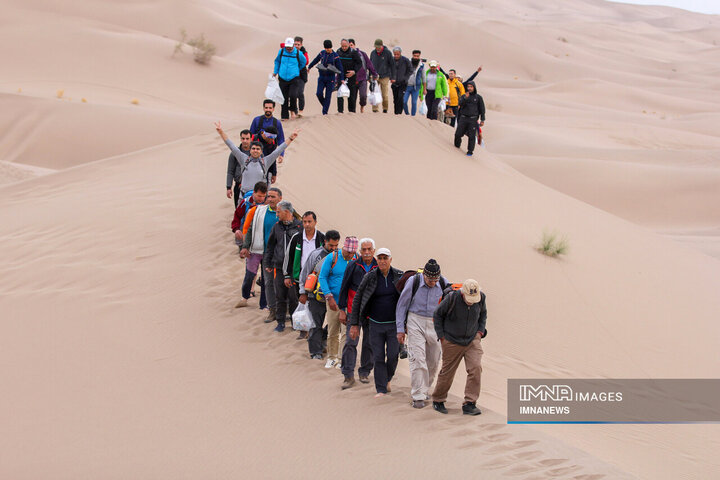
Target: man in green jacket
[(434, 89)]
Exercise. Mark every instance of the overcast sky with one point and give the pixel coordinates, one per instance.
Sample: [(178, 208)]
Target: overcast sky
[(703, 6)]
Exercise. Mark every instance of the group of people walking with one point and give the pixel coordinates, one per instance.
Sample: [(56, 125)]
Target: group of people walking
[(356, 299), (352, 73)]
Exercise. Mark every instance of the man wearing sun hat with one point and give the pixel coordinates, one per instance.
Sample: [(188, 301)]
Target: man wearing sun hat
[(330, 278), (460, 324), (376, 300), (288, 63)]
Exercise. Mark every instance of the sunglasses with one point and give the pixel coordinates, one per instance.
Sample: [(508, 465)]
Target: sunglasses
[(270, 135)]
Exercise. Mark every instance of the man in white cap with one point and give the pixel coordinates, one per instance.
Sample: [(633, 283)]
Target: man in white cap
[(434, 89), (460, 324), (376, 300), (289, 61)]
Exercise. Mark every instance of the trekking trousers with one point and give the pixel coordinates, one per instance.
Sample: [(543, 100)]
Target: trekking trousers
[(384, 89), (289, 89), (385, 347), (352, 99), (301, 95), (432, 104), (315, 337), (336, 334), (286, 300), (269, 280), (398, 90), (452, 353), (411, 91), (466, 126), (423, 354), (349, 354), (324, 92)]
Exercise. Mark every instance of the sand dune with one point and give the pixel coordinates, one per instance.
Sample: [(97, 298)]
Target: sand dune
[(121, 353)]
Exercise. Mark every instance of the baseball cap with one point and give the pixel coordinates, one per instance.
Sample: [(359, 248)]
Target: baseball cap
[(433, 63), (378, 42), (471, 291), (383, 251), (289, 42)]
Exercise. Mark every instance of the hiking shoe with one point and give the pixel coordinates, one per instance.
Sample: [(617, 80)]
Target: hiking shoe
[(469, 154), (241, 303), (330, 363), (440, 407), (280, 328), (271, 316), (418, 404), (364, 379), (384, 111), (302, 336), (349, 382), (403, 351), (469, 408), (316, 356)]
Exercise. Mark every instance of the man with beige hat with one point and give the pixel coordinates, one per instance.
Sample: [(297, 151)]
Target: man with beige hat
[(460, 324)]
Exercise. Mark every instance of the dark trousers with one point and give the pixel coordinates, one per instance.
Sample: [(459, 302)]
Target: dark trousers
[(398, 90), (453, 119), (352, 99), (236, 193), (289, 89), (432, 104), (315, 337), (285, 299), (349, 354), (385, 347), (466, 126), (247, 287), (324, 92), (301, 95)]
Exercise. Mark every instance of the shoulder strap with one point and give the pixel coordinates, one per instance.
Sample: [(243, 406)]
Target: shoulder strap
[(453, 300), (415, 285)]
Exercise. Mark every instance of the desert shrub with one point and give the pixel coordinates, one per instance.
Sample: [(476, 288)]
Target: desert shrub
[(202, 49), (551, 245)]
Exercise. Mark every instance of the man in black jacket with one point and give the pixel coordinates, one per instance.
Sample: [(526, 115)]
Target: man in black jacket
[(384, 64), (403, 69), (351, 63), (471, 107), (376, 300), (277, 244), (460, 324)]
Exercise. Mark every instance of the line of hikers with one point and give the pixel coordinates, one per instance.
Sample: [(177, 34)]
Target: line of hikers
[(352, 291), (351, 72)]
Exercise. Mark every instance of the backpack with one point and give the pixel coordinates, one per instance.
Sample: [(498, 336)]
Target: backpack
[(297, 55)]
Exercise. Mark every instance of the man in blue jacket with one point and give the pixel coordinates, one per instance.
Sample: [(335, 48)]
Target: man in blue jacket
[(288, 63), (329, 66)]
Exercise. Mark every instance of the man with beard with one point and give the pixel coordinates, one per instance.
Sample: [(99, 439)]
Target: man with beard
[(414, 83), (363, 74), (471, 108)]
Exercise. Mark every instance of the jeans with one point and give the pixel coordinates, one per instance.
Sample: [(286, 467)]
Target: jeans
[(349, 354), (398, 90), (382, 336), (411, 91), (466, 126), (324, 92), (315, 337)]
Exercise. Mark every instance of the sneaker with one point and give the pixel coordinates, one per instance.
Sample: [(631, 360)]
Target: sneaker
[(469, 154), (440, 407), (302, 336), (279, 328), (338, 365), (241, 303), (271, 316), (316, 356), (384, 111), (349, 382), (469, 408), (418, 404), (364, 379), (330, 363)]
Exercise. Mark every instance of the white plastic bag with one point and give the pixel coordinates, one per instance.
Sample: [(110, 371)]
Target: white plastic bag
[(378, 97), (343, 91), (423, 107), (302, 320), (273, 91), (441, 105)]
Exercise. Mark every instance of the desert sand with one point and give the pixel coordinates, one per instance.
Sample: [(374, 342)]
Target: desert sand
[(121, 355)]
